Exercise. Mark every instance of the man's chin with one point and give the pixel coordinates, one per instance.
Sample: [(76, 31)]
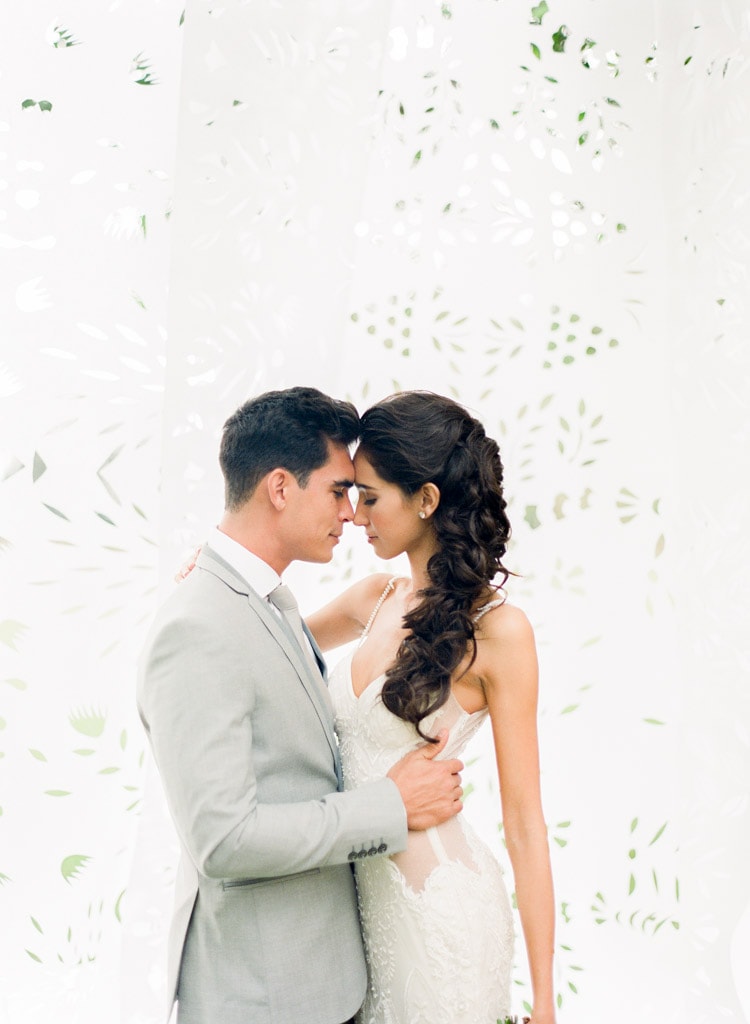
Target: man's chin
[(319, 558)]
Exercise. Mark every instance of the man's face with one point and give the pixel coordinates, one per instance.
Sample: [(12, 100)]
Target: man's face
[(314, 516)]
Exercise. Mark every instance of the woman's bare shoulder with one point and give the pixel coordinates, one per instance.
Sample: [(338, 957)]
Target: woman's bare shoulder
[(369, 588), (507, 624), (357, 601), (344, 618), (506, 655)]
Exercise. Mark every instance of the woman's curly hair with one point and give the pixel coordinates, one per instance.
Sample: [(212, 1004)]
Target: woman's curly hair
[(411, 439)]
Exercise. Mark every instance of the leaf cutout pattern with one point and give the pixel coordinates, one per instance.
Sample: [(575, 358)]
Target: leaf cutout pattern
[(89, 722), (11, 633), (72, 866)]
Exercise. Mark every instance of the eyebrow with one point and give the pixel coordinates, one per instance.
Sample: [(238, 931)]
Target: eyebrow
[(343, 483), (364, 487)]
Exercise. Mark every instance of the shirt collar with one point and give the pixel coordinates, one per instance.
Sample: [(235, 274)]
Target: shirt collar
[(259, 574)]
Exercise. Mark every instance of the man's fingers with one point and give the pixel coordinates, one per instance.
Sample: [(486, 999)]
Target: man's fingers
[(430, 750)]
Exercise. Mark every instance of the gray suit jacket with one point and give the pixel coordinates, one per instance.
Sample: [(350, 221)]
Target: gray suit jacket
[(265, 928)]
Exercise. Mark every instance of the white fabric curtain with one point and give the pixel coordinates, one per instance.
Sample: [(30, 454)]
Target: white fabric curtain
[(540, 209)]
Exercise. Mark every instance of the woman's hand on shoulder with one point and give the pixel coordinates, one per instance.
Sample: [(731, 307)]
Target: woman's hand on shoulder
[(343, 619), (187, 567)]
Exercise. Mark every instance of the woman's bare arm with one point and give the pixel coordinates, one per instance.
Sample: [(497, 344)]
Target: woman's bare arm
[(509, 671)]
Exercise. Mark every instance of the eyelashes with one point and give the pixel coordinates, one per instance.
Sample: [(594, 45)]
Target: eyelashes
[(368, 502)]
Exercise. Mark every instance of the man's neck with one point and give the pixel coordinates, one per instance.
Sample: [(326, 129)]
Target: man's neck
[(256, 537)]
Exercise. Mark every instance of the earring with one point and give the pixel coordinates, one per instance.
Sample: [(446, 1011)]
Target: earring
[(422, 514)]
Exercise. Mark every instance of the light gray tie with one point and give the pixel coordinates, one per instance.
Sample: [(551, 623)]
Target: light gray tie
[(286, 602)]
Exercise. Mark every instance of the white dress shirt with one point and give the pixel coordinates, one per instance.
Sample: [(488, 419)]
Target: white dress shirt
[(259, 574)]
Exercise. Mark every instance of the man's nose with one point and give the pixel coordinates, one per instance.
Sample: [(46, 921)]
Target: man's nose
[(346, 513), (360, 516)]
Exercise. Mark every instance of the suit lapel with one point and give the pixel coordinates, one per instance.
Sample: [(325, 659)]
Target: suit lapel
[(317, 652), (316, 689)]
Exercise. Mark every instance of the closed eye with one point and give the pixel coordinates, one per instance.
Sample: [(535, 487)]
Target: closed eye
[(363, 497)]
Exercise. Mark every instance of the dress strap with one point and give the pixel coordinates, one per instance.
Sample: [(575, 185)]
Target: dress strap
[(488, 608), (390, 585)]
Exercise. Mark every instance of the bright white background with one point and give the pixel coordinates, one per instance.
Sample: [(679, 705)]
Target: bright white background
[(542, 210)]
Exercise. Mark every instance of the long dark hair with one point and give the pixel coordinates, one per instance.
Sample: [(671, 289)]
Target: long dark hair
[(411, 439)]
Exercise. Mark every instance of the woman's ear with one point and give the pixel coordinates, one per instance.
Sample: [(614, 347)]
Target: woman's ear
[(429, 499)]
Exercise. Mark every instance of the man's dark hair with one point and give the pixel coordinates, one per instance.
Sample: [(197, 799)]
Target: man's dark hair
[(288, 429)]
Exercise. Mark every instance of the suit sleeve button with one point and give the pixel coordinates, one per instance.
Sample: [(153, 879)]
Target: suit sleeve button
[(352, 855), (372, 851), (382, 848)]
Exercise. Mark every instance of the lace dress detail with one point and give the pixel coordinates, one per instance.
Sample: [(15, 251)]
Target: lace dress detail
[(436, 918)]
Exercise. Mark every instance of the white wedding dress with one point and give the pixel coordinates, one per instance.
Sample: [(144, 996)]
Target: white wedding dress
[(436, 918)]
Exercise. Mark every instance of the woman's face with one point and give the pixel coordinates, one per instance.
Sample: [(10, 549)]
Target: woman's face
[(390, 517)]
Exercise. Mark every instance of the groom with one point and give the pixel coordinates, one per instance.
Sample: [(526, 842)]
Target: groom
[(232, 695)]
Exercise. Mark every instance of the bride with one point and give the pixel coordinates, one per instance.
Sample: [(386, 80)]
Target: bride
[(441, 649)]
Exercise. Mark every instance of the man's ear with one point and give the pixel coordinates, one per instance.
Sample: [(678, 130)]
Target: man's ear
[(277, 482)]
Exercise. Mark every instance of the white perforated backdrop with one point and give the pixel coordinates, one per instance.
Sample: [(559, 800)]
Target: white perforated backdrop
[(540, 209)]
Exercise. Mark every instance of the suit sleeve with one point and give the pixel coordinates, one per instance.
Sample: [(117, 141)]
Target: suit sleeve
[(194, 703)]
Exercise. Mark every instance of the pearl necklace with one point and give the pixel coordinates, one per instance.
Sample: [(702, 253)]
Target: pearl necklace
[(389, 587)]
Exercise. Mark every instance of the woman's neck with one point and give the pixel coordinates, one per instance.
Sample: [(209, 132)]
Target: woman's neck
[(418, 559)]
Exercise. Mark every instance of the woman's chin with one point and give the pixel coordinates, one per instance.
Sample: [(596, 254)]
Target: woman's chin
[(381, 550)]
